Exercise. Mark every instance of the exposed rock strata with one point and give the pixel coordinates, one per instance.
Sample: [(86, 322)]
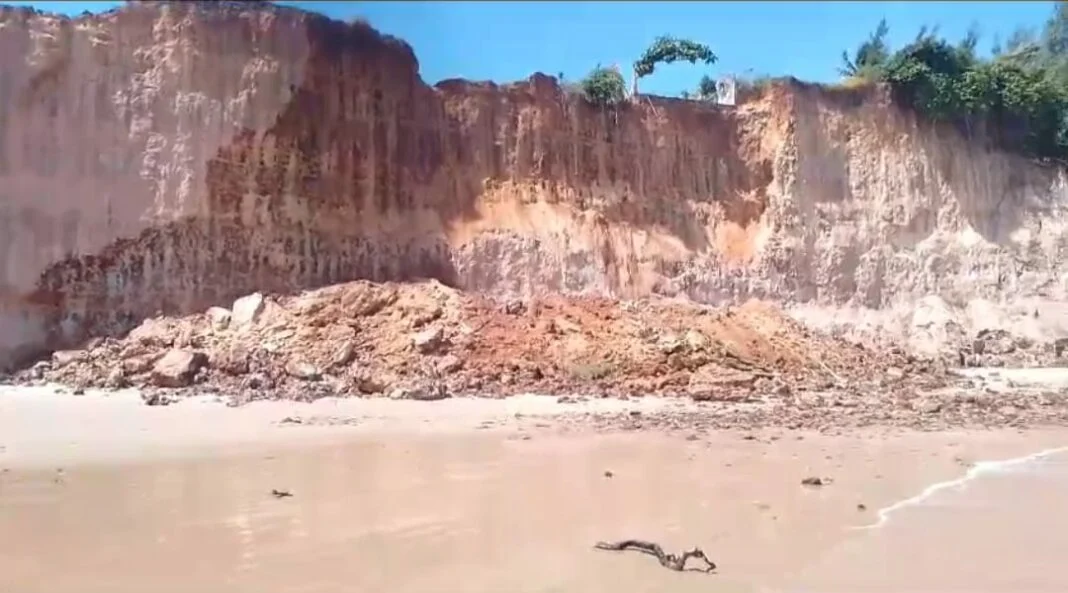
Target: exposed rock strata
[(168, 157)]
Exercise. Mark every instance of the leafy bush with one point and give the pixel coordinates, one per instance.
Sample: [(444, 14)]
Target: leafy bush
[(706, 88), (1019, 96), (604, 86)]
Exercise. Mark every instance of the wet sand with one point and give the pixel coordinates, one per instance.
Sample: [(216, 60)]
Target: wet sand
[(1006, 531), (415, 499)]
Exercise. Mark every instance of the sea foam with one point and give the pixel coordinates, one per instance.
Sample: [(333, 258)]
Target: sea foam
[(979, 469)]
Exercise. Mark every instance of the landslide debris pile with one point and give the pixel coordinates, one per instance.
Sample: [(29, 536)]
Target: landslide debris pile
[(427, 341)]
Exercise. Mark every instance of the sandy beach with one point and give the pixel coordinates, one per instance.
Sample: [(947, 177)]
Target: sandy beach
[(102, 493)]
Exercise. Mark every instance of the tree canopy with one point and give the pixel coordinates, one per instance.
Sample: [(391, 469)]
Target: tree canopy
[(1018, 96), (667, 50), (869, 55), (604, 86)]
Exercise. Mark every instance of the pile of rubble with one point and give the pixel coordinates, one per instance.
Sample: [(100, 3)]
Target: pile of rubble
[(426, 341), (999, 348)]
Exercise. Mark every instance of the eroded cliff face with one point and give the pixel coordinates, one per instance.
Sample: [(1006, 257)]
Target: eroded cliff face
[(173, 156)]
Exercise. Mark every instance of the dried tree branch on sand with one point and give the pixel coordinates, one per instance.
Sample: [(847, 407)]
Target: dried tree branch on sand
[(671, 561)]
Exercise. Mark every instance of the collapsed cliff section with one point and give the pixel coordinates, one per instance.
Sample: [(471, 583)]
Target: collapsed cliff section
[(428, 341), (747, 366), (167, 157)]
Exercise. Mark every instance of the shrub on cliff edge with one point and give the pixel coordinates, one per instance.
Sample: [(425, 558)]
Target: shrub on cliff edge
[(1018, 99), (869, 57), (706, 88), (604, 86)]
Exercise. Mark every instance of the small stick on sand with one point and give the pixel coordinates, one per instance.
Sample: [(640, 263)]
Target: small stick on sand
[(670, 561)]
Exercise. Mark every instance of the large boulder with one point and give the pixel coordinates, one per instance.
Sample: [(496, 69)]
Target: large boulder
[(246, 310), (178, 368)]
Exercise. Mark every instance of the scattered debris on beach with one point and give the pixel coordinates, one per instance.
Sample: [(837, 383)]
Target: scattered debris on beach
[(425, 341)]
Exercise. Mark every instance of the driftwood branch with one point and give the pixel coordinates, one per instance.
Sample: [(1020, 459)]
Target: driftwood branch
[(670, 561)]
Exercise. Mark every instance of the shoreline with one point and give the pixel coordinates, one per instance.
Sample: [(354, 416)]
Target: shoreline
[(976, 471)]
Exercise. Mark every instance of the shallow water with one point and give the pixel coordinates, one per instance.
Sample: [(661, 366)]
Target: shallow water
[(493, 512), (1004, 530)]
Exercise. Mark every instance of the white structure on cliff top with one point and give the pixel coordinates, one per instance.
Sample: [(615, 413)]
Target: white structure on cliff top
[(725, 90)]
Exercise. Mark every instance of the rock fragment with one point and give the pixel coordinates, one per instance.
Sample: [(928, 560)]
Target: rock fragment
[(421, 392), (61, 358), (247, 310), (430, 341), (178, 368), (304, 371), (219, 317)]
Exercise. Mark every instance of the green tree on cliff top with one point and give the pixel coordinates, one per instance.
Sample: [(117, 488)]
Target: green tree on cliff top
[(706, 88), (869, 57), (667, 50), (1017, 98), (604, 86)]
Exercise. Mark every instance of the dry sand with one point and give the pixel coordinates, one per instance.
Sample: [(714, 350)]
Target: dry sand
[(102, 493), (42, 426)]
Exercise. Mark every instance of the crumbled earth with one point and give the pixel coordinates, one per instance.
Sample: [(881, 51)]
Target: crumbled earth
[(997, 347), (839, 412), (750, 364)]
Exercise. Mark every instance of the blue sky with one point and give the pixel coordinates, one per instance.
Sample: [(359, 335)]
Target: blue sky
[(505, 41)]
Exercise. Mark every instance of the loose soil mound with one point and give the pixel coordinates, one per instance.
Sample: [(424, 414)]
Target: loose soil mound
[(427, 341)]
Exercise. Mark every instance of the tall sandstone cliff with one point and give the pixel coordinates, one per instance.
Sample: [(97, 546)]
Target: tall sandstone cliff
[(173, 156)]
